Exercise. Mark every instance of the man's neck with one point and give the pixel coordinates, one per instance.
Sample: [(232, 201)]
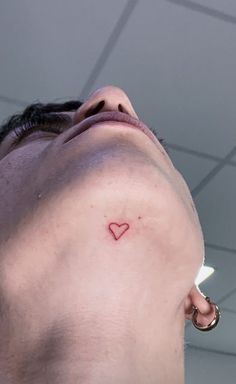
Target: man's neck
[(103, 355)]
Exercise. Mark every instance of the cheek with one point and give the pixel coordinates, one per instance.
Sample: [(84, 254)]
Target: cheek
[(186, 196), (182, 236), (16, 188)]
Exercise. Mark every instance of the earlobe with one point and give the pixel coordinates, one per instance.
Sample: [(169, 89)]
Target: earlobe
[(206, 310)]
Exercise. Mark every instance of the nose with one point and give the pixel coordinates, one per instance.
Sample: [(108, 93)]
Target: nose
[(108, 98)]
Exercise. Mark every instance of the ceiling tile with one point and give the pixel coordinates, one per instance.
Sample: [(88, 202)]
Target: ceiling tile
[(230, 302), (178, 68), (7, 110), (226, 6), (192, 168), (207, 367), (52, 47), (222, 338), (217, 209)]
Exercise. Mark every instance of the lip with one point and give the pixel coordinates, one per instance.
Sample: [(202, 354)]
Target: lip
[(112, 116)]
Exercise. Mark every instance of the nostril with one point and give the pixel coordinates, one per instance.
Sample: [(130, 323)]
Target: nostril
[(94, 109), (122, 109)]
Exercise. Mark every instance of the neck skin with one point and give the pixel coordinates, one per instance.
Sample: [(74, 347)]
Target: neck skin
[(121, 335), (83, 307), (127, 323), (111, 353)]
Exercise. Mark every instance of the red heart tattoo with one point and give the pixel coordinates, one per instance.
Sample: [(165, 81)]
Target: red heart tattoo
[(116, 229)]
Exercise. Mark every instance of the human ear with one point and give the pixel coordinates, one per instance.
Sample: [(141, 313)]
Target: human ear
[(196, 299)]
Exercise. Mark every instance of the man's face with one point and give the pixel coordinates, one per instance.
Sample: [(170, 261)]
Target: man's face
[(58, 196)]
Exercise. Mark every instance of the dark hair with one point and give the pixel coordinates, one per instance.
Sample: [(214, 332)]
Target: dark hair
[(34, 110)]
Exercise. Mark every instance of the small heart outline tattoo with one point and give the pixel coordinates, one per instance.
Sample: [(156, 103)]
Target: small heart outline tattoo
[(114, 228)]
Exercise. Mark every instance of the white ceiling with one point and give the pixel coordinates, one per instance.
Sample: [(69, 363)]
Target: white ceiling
[(176, 60)]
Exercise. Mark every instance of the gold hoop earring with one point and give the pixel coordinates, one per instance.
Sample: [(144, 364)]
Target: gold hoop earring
[(212, 324)]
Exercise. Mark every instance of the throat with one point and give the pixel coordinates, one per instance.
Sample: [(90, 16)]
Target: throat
[(103, 354)]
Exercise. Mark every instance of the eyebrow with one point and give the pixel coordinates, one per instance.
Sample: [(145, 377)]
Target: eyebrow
[(38, 111)]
